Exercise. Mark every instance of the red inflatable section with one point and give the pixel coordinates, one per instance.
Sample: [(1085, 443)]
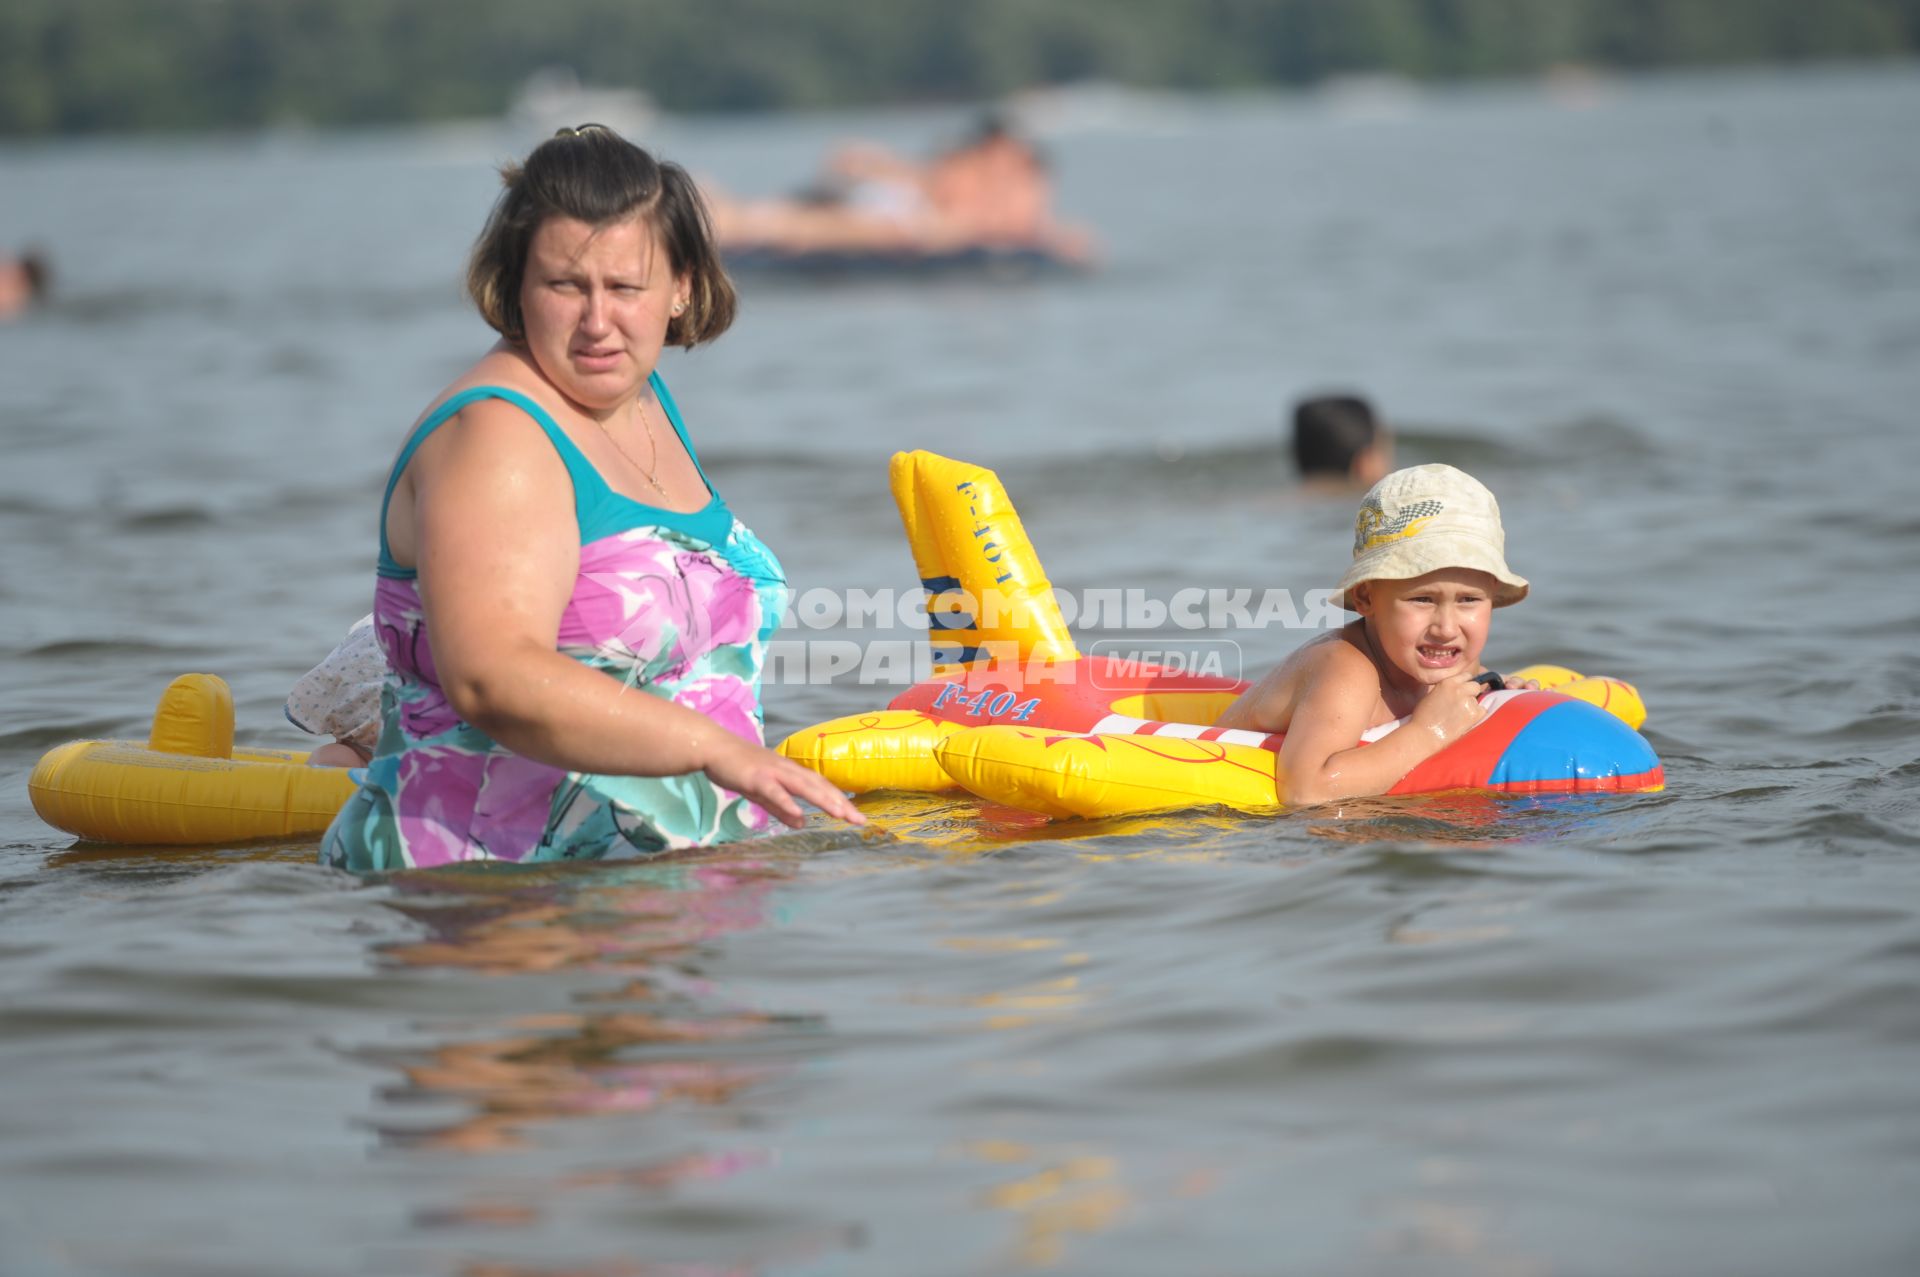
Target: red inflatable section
[(1071, 696)]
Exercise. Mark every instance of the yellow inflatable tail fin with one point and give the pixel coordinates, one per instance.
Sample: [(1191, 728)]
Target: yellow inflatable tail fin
[(988, 599), (194, 717)]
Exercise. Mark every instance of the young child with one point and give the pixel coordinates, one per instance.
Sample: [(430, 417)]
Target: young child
[(340, 697), (1429, 567)]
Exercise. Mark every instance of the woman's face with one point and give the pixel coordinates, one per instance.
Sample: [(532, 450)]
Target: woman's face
[(596, 302)]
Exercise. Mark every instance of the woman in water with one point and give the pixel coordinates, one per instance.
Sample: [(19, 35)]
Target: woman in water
[(574, 620)]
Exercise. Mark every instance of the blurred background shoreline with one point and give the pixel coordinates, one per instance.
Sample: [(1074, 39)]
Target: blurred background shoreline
[(109, 66)]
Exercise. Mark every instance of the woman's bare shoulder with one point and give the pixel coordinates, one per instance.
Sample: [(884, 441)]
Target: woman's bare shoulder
[(503, 366), (490, 437)]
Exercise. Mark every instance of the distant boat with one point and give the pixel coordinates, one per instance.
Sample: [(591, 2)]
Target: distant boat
[(1368, 96), (554, 98), (1099, 106), (1577, 85)]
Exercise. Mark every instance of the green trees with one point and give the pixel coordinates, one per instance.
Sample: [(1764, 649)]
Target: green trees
[(88, 65)]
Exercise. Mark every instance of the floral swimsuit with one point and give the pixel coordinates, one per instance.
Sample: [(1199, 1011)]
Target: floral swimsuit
[(679, 606)]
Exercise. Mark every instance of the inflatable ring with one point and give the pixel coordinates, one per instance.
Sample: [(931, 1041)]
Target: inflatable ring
[(1014, 713), (186, 784)]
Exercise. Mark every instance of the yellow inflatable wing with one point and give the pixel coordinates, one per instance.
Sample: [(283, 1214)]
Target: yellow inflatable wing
[(1065, 774), (884, 749)]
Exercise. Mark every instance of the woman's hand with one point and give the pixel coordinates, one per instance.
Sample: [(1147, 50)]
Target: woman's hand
[(1450, 708), (777, 784)]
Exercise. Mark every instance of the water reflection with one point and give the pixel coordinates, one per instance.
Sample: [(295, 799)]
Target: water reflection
[(109, 859), (1465, 820), (1025, 1004), (508, 920), (663, 1039), (1056, 1197), (960, 826), (569, 1066)]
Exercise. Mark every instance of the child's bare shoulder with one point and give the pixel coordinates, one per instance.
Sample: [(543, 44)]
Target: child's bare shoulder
[(1332, 661), (1338, 687), (1336, 659)]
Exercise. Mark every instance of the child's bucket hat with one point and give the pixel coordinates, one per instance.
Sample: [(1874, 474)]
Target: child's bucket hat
[(1425, 518)]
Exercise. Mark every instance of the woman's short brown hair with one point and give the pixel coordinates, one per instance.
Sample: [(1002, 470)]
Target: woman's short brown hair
[(594, 175)]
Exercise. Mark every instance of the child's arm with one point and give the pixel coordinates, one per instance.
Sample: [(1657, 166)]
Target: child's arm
[(1319, 760)]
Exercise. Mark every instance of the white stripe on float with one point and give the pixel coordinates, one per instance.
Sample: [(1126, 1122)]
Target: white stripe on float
[(1122, 725)]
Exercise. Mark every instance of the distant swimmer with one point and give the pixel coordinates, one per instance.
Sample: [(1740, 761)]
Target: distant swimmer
[(24, 280), (1338, 440)]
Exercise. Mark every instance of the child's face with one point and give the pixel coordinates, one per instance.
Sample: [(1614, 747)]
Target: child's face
[(1431, 627)]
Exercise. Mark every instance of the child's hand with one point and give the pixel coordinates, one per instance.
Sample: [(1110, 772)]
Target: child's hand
[(1450, 708)]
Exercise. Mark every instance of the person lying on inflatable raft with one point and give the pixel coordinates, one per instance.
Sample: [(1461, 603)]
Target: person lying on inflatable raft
[(1429, 566), (1392, 704)]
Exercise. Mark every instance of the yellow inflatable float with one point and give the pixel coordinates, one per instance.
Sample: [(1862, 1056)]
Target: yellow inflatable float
[(1016, 714), (1002, 652), (186, 784), (1530, 742)]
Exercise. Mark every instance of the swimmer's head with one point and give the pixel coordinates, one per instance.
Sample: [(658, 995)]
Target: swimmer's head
[(996, 127), (1429, 519), (591, 174), (37, 273), (1338, 437), (23, 282)]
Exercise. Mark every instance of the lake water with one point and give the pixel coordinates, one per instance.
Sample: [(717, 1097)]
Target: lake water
[(1675, 324)]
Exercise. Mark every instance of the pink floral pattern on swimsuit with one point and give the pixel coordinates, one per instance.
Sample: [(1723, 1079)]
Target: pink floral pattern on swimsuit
[(665, 614)]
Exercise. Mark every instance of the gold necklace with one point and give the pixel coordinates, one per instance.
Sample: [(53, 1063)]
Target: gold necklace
[(653, 447)]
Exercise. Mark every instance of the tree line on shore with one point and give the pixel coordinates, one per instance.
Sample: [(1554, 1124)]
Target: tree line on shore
[(76, 66)]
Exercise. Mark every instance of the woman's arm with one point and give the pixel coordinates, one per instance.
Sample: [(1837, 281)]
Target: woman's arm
[(498, 551)]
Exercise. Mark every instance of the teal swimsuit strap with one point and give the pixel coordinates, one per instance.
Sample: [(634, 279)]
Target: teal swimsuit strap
[(665, 397), (587, 483)]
